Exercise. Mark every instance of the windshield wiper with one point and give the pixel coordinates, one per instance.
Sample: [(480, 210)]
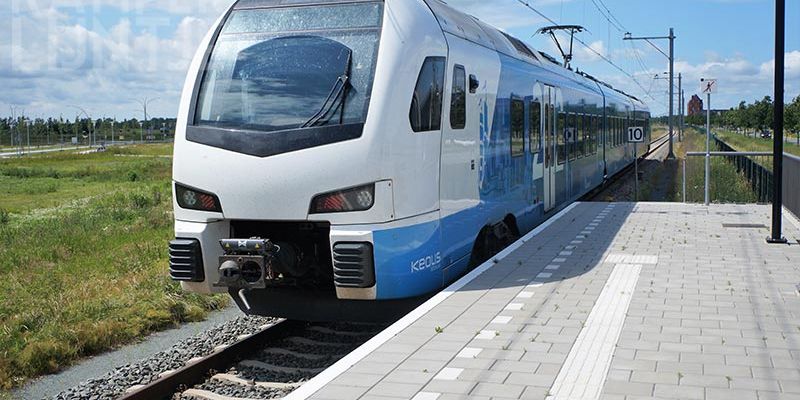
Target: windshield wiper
[(338, 91)]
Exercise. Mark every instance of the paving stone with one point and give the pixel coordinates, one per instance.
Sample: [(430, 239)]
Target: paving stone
[(679, 392), (628, 388), (712, 318), (730, 394), (498, 390)]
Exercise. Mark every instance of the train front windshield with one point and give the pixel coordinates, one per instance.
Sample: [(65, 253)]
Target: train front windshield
[(291, 68)]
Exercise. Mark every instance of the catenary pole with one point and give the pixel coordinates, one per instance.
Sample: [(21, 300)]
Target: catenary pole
[(671, 57), (671, 155), (777, 157)]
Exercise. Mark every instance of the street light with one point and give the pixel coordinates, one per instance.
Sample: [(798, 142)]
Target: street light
[(91, 124), (144, 102), (671, 58)]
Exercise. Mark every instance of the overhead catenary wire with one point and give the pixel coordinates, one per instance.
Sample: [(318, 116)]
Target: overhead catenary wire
[(616, 26), (584, 44), (612, 15)]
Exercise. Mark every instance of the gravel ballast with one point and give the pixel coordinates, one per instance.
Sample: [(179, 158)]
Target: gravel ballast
[(113, 384)]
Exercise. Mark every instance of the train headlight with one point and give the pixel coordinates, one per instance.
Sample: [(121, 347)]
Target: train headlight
[(361, 198), (194, 199)]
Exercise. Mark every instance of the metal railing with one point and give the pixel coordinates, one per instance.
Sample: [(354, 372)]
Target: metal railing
[(791, 183), (734, 177)]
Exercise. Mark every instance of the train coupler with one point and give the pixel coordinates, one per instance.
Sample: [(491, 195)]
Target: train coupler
[(246, 263)]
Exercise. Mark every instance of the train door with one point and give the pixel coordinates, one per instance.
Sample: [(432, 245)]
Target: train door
[(550, 146), (460, 159)]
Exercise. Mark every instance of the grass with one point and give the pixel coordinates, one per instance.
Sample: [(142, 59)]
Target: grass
[(83, 261), (748, 143), (46, 181), (727, 185)]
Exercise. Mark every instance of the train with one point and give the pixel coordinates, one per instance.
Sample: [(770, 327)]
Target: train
[(341, 159)]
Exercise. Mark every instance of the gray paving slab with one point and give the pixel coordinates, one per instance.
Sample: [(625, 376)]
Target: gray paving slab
[(700, 311)]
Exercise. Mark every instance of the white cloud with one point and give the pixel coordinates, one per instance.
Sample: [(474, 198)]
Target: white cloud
[(49, 58), (50, 61)]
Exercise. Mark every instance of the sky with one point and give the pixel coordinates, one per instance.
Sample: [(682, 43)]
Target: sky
[(106, 56)]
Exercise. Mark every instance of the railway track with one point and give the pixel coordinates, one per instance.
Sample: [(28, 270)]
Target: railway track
[(268, 364), (655, 146)]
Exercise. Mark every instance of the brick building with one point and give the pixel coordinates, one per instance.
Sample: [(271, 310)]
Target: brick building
[(695, 106)]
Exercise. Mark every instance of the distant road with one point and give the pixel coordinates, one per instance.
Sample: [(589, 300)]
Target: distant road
[(50, 150)]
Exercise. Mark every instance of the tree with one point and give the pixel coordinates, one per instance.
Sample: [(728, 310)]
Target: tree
[(792, 116)]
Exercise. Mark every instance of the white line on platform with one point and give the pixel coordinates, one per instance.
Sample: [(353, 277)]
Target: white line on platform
[(449, 374), (501, 320), (525, 295), (584, 372), (421, 396), (514, 307), (469, 352), (486, 335), (316, 383), (619, 258), (552, 267), (544, 275), (559, 260)]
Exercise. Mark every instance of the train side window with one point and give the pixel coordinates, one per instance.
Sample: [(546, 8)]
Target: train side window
[(587, 136), (571, 135), (458, 100), (535, 121), (561, 134), (517, 128), (426, 104), (625, 124), (579, 136), (597, 134), (611, 134)]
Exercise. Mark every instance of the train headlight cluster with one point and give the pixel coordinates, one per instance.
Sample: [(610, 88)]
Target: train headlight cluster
[(194, 199), (361, 198)]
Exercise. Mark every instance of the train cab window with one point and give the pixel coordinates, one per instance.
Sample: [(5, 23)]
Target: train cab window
[(561, 134), (535, 121), (458, 99), (426, 104), (517, 127)]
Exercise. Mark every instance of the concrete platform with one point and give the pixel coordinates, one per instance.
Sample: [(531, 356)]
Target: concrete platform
[(605, 301)]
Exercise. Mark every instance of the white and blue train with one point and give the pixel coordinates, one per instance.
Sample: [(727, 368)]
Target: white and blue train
[(335, 158)]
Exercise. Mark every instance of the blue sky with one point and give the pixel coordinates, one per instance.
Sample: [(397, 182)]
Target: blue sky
[(103, 55)]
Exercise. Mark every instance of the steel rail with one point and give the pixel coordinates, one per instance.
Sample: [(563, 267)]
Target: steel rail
[(196, 372)]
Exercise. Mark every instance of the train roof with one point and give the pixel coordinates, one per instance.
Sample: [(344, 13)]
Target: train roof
[(471, 28)]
